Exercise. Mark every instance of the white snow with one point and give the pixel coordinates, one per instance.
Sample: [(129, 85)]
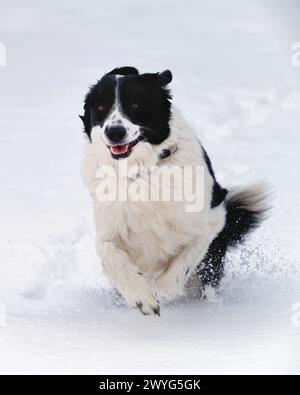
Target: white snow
[(235, 82)]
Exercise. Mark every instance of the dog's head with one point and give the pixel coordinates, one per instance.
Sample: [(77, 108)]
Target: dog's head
[(127, 108)]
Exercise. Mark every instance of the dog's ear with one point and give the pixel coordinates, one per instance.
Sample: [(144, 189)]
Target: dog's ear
[(162, 79), (126, 70), (86, 118), (165, 77)]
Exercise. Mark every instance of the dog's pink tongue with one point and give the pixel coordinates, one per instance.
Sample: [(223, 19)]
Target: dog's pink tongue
[(119, 149)]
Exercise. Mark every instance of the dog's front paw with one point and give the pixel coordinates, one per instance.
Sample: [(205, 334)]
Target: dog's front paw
[(149, 309), (139, 294)]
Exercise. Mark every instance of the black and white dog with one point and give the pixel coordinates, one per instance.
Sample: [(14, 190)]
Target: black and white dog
[(151, 248)]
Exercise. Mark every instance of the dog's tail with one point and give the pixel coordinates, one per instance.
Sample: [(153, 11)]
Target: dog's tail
[(246, 208)]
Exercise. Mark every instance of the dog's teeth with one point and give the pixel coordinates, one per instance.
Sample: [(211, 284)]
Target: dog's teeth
[(122, 149), (119, 149)]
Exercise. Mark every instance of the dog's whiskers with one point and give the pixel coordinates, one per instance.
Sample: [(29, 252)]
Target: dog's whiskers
[(150, 129)]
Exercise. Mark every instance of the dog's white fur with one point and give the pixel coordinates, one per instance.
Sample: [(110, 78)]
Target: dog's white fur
[(147, 248)]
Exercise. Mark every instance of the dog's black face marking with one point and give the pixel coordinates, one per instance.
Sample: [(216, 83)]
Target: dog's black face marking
[(146, 102), (98, 102), (139, 103)]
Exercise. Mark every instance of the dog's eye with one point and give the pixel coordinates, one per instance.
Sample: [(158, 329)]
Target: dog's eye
[(134, 106), (101, 108)]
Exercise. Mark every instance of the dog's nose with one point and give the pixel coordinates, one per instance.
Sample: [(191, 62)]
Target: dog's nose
[(115, 133)]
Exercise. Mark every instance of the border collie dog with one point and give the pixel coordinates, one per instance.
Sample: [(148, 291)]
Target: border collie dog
[(154, 249)]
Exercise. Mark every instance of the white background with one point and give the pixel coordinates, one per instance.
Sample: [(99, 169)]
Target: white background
[(236, 84)]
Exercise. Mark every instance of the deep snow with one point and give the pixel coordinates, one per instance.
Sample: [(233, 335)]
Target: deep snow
[(236, 84)]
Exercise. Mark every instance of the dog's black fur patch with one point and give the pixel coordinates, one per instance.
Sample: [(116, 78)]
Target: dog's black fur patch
[(239, 223), (218, 193), (144, 100)]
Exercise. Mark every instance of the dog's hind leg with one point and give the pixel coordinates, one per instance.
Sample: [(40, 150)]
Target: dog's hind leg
[(211, 269), (246, 208)]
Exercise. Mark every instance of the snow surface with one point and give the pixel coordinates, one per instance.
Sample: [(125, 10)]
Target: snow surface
[(235, 82)]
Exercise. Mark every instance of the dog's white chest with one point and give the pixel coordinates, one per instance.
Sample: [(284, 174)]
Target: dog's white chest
[(151, 233)]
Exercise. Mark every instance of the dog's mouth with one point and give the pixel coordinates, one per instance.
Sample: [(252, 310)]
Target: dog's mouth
[(122, 151)]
